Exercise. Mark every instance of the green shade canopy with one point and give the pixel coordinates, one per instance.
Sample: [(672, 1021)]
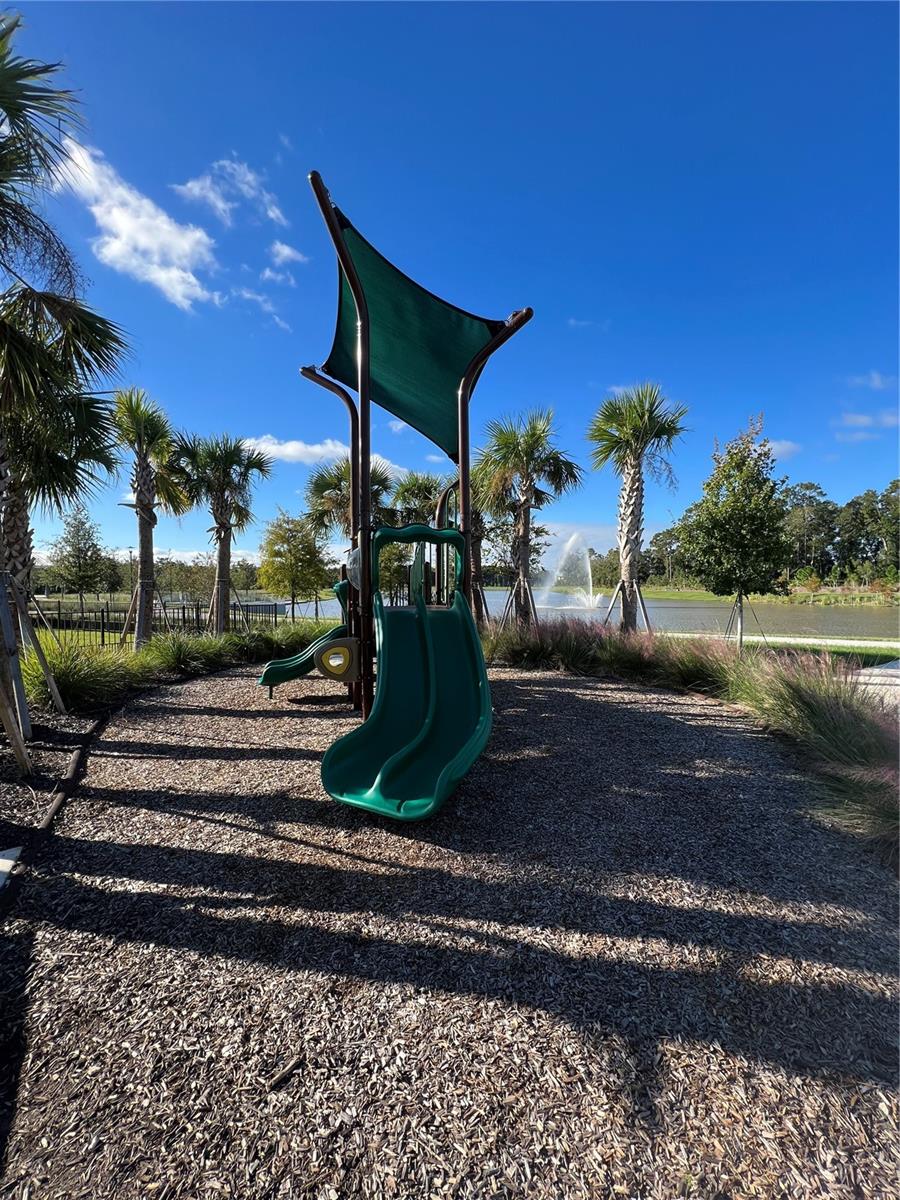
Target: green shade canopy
[(419, 345)]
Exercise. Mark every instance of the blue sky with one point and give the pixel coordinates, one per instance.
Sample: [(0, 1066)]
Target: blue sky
[(703, 195)]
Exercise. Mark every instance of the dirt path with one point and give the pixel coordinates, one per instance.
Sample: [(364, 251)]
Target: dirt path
[(622, 962)]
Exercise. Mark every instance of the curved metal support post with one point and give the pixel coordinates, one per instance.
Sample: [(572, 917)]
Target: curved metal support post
[(315, 376), (440, 522), (333, 225), (466, 387), (440, 512)]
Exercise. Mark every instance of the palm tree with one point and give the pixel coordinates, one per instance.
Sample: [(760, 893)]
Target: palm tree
[(415, 497), (631, 430), (53, 348), (519, 469), (51, 345), (328, 495), (220, 472), (52, 464), (143, 428)]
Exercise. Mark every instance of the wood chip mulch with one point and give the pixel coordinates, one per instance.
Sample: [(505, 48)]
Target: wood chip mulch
[(25, 799), (623, 962)]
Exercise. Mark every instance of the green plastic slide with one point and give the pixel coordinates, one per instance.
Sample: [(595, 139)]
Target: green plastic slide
[(282, 670), (432, 713)]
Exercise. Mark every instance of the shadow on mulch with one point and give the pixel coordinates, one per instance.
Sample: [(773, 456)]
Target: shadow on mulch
[(657, 795)]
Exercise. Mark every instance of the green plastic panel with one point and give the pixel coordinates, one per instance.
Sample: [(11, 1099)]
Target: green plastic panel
[(282, 670)]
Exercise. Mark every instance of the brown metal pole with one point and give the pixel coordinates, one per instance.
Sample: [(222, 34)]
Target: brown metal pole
[(465, 494), (365, 429), (312, 374), (353, 621), (440, 522)]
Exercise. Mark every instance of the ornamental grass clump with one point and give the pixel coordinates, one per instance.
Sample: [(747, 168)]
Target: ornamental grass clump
[(88, 678)]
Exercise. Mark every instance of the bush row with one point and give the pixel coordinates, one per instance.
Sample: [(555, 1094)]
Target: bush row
[(91, 678)]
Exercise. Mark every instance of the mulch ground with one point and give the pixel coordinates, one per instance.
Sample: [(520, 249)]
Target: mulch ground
[(25, 799), (624, 961)]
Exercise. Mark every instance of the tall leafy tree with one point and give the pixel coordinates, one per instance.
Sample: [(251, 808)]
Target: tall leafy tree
[(220, 472), (860, 533), (811, 527), (327, 495), (634, 431), (143, 429), (521, 469), (292, 559), (733, 539), (77, 556)]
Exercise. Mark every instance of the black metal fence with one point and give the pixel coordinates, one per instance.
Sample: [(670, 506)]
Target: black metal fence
[(103, 626)]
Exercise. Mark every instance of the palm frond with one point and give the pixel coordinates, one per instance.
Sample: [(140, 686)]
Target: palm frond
[(634, 426), (520, 452), (36, 112)]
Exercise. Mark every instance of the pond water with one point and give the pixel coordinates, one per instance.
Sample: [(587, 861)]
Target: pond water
[(700, 616)]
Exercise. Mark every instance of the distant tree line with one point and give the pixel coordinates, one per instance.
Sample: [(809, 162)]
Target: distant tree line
[(827, 544)]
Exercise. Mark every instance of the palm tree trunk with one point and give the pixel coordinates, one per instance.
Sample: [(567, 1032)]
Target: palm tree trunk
[(145, 507), (476, 541), (631, 531), (5, 476), (17, 534), (222, 585), (522, 555)]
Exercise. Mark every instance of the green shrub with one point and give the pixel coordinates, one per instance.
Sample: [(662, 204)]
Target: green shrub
[(288, 639), (177, 653), (87, 677)]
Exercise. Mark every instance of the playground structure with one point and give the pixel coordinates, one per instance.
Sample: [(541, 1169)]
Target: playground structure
[(418, 357)]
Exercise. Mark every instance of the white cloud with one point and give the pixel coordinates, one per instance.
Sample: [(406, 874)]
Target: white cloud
[(137, 237), (267, 275), (244, 293), (783, 449), (263, 303), (397, 426), (576, 323), (617, 389), (857, 435), (392, 468), (297, 451), (226, 183), (864, 427), (282, 253), (205, 190), (873, 380), (285, 141), (436, 458)]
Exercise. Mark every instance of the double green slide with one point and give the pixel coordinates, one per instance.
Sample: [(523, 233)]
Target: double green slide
[(432, 713), (283, 670)]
